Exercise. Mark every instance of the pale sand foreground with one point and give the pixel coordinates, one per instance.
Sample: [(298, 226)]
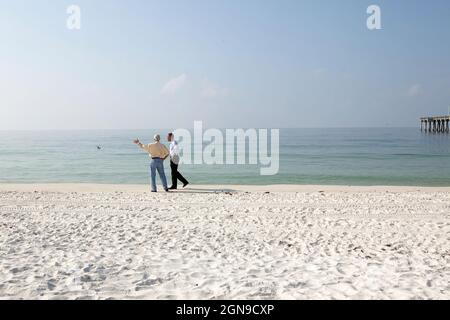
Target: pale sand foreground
[(91, 241)]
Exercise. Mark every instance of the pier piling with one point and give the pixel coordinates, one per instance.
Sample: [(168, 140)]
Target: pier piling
[(435, 124)]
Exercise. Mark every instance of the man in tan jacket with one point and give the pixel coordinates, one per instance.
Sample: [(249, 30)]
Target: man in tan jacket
[(158, 153)]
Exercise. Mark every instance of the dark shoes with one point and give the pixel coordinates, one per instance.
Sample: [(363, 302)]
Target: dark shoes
[(175, 188)]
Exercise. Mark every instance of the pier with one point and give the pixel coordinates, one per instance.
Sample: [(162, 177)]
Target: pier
[(435, 124)]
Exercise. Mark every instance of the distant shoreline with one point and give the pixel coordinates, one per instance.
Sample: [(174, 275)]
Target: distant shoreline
[(91, 187)]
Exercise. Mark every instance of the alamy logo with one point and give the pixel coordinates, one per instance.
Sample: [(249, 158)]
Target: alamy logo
[(374, 20), (236, 146), (74, 19)]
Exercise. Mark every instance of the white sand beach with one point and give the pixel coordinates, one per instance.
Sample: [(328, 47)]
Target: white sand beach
[(213, 242)]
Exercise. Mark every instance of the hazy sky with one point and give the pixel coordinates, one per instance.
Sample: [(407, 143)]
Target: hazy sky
[(253, 63)]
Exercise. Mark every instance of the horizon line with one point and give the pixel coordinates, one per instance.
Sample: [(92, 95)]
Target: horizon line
[(206, 128)]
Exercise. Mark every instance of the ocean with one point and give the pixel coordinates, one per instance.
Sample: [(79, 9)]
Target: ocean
[(355, 156)]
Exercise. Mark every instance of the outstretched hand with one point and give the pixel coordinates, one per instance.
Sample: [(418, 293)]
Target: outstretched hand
[(136, 141)]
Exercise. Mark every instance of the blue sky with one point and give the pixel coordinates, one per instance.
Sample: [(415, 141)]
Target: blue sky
[(161, 64)]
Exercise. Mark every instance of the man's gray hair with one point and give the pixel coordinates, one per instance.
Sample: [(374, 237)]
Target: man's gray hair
[(157, 137)]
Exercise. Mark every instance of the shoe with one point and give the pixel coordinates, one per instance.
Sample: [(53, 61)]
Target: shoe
[(166, 190), (154, 191), (173, 188), (184, 185)]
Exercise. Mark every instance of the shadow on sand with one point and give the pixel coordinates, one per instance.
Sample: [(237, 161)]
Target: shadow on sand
[(204, 190)]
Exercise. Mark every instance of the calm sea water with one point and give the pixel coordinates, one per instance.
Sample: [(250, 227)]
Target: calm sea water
[(394, 156)]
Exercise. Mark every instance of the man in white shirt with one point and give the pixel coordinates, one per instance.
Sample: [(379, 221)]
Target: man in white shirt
[(174, 161)]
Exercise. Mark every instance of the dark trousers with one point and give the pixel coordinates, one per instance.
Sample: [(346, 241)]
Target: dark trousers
[(176, 175)]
